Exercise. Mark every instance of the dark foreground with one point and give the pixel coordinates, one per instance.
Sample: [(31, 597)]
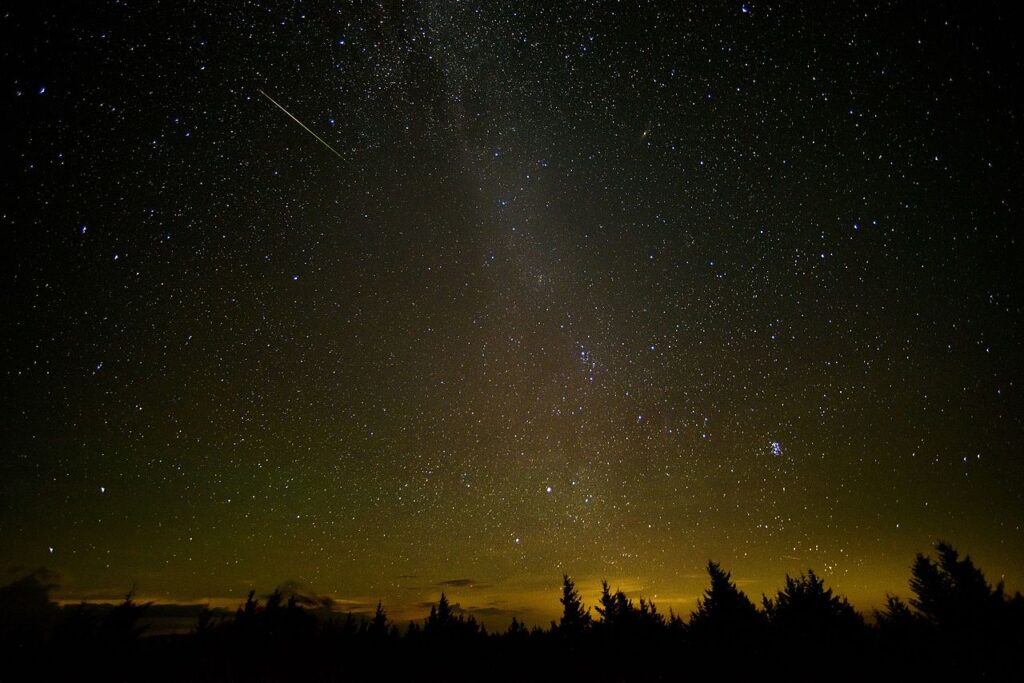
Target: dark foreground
[(956, 627)]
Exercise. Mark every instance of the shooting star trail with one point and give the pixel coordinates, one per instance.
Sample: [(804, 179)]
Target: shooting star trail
[(322, 141)]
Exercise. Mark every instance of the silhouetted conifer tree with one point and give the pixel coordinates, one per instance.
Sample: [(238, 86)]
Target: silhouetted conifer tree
[(953, 593), (648, 616), (26, 611), (441, 620), (349, 626), (724, 611), (247, 613), (517, 630), (902, 633), (969, 626), (379, 625), (896, 614), (414, 631), (676, 625), (575, 619), (805, 606), (121, 624), (273, 601), (621, 616), (614, 608), (444, 611)]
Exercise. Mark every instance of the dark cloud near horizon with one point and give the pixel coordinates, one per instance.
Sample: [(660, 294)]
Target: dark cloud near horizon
[(304, 596), (42, 573), (490, 612), (461, 583), (487, 611)]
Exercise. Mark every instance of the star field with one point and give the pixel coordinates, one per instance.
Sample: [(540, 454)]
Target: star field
[(602, 289)]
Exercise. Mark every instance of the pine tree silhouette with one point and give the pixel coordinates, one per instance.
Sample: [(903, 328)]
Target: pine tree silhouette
[(724, 611), (620, 616), (379, 624), (575, 619), (121, 624), (25, 606), (517, 630), (896, 615), (247, 613), (440, 618), (615, 609), (953, 593), (805, 606), (606, 603)]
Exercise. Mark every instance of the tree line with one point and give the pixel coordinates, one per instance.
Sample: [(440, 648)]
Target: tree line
[(954, 625)]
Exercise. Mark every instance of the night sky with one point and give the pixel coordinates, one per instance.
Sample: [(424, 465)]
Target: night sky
[(603, 289)]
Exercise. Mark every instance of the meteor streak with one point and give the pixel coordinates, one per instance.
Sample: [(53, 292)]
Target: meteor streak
[(304, 127)]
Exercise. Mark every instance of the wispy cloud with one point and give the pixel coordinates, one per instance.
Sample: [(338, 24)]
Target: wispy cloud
[(461, 583)]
